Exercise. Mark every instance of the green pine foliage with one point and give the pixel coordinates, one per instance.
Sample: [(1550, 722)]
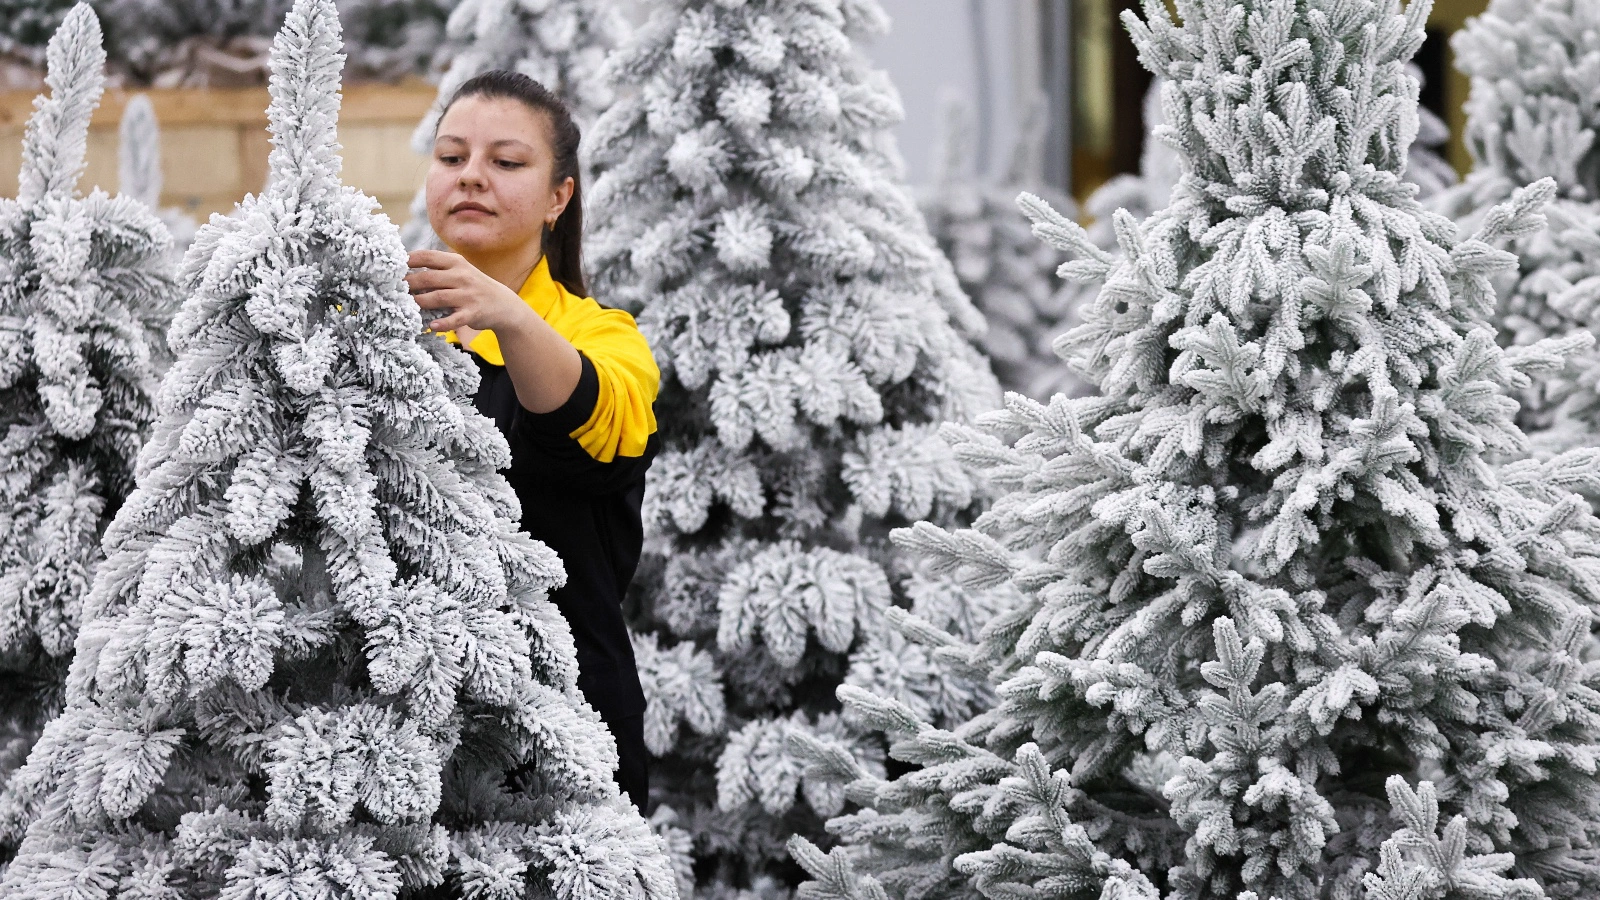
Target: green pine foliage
[(1288, 630)]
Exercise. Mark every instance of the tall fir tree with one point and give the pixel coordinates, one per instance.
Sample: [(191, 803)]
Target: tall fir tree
[(750, 210), (1008, 273), (562, 44), (1533, 112), (139, 169), (86, 286), (1288, 632), (319, 648)]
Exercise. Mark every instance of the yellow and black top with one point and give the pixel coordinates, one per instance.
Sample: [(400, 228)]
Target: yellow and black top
[(579, 472)]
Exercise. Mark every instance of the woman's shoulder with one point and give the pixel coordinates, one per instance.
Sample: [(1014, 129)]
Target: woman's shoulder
[(573, 315)]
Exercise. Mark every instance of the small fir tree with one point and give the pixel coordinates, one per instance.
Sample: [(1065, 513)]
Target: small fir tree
[(562, 44), (749, 209), (139, 169), (1287, 632), (1533, 112), (319, 644), (1008, 273), (86, 284)]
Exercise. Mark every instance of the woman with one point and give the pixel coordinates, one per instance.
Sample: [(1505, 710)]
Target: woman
[(569, 382)]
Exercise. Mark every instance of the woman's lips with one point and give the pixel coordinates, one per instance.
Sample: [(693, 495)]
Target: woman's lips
[(470, 208)]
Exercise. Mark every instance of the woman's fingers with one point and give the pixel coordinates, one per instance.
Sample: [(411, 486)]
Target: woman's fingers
[(432, 259), (461, 313), (446, 299), (457, 319), (439, 300), (432, 280)]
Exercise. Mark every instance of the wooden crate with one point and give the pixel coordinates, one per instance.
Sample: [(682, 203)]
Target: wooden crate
[(214, 143)]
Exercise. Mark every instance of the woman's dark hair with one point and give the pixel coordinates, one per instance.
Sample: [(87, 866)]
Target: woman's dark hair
[(563, 244)]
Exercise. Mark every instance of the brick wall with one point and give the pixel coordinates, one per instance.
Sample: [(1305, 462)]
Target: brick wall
[(214, 143)]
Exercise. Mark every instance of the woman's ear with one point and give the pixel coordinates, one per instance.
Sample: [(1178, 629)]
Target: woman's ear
[(563, 196)]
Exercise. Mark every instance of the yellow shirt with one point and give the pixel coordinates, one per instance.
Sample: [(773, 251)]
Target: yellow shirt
[(624, 416)]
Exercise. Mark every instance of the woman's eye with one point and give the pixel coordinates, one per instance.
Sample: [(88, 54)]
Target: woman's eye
[(447, 159), (511, 164)]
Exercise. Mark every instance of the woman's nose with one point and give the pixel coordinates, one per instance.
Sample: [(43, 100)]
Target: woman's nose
[(471, 175)]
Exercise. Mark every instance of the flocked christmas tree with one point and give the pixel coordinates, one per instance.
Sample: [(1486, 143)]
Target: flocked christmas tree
[(1008, 273), (318, 661), (86, 285), (1161, 165), (1533, 113), (1288, 632), (139, 169), (562, 44), (749, 209)]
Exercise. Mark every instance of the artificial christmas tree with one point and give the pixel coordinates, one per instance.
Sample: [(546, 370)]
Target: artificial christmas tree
[(1009, 274), (1160, 167), (562, 44), (139, 170), (1288, 633), (1533, 112), (86, 285), (319, 645), (749, 211)]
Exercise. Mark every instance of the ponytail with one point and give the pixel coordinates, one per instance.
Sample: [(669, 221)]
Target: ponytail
[(563, 242)]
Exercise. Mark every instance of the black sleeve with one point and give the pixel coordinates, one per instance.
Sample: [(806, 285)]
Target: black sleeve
[(542, 446)]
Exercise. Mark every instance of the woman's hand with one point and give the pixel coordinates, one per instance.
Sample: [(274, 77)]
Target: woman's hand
[(448, 281)]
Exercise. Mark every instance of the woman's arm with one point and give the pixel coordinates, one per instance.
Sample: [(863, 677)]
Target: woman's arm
[(544, 366)]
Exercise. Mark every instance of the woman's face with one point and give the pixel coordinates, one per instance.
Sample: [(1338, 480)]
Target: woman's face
[(489, 184)]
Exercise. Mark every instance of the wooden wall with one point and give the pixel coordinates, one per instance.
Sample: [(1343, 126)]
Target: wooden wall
[(214, 143)]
